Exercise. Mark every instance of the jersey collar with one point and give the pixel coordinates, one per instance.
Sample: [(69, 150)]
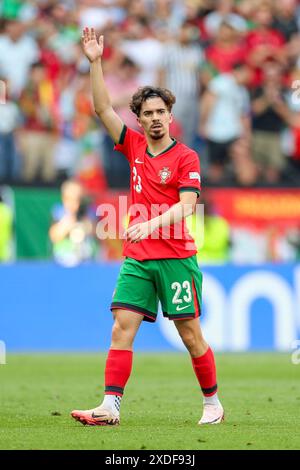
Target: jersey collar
[(164, 151)]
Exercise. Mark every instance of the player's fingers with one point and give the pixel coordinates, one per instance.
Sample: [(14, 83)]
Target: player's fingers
[(101, 41), (134, 236), (132, 229), (129, 237), (86, 33), (93, 34), (137, 237)]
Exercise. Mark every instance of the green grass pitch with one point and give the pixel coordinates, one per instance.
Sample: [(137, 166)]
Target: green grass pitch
[(161, 406)]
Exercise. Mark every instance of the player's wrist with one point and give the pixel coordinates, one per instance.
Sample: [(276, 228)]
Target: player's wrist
[(98, 60)]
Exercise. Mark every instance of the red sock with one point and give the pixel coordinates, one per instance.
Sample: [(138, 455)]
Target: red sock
[(117, 371), (205, 370)]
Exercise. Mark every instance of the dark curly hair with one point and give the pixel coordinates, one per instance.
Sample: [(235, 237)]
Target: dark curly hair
[(147, 92)]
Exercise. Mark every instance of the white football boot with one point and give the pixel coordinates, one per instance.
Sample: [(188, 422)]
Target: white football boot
[(98, 416), (212, 414)]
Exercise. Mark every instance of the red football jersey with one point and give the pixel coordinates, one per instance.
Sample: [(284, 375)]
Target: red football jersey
[(156, 181)]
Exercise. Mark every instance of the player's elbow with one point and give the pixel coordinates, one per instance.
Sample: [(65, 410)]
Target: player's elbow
[(98, 111), (102, 111)]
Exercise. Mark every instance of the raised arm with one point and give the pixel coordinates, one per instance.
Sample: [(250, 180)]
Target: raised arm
[(93, 49)]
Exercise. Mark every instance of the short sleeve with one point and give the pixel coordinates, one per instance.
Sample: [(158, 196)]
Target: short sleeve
[(129, 139), (189, 178)]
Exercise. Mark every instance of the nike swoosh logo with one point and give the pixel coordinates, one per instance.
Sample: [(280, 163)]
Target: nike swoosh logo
[(98, 416), (182, 308), (138, 161)]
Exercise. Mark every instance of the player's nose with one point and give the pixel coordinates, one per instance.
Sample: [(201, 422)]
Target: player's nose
[(155, 117)]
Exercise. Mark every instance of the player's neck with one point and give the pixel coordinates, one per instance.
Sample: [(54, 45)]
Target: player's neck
[(156, 147)]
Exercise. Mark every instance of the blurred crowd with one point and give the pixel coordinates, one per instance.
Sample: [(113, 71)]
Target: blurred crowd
[(234, 66)]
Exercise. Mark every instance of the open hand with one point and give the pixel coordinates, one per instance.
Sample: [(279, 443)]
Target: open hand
[(92, 47)]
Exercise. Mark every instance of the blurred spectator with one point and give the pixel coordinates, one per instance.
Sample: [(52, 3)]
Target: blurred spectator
[(213, 238), (278, 247), (224, 13), (6, 231), (122, 83), (166, 36), (270, 115), (291, 136), (38, 137), (226, 50), (65, 153), (9, 121), (10, 8), (167, 17), (293, 239), (64, 35), (285, 19), (84, 119), (245, 171), (264, 42), (88, 165), (18, 51), (72, 231), (48, 55), (141, 46), (225, 109), (246, 9), (99, 13), (180, 73)]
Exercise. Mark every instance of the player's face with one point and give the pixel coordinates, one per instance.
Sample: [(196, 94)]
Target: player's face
[(155, 118)]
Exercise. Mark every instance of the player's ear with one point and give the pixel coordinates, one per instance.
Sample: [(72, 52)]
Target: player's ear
[(171, 118), (139, 122)]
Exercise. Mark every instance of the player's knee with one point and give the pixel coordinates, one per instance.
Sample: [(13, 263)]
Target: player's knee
[(117, 332), (121, 332), (193, 341), (189, 339)]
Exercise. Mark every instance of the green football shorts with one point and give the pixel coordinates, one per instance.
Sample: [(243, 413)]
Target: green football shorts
[(176, 283)]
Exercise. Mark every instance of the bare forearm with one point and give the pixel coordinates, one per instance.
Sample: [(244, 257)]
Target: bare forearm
[(101, 96), (175, 214), (103, 104)]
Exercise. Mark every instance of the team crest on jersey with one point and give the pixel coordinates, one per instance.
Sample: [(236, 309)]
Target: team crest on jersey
[(164, 174)]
